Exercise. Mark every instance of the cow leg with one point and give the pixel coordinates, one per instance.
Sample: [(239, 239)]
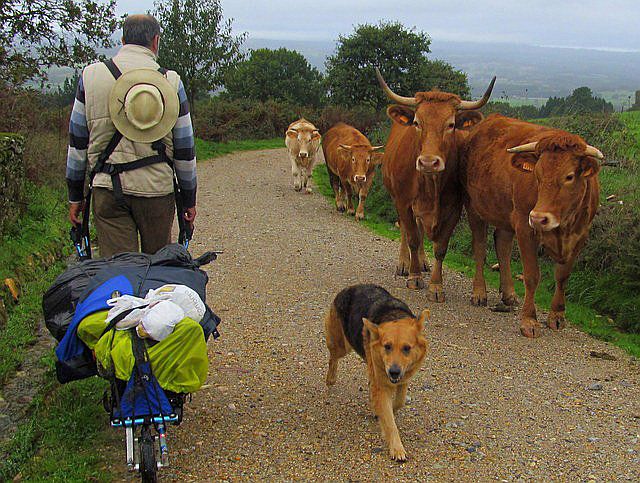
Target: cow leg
[(402, 268), (337, 190), (306, 173), (503, 240), (556, 319), (414, 240), (422, 256), (295, 172), (479, 244), (440, 247), (362, 196), (529, 326), (349, 194)]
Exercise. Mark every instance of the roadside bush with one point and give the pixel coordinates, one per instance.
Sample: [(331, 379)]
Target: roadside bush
[(607, 275), (45, 128), (218, 119), (607, 132)]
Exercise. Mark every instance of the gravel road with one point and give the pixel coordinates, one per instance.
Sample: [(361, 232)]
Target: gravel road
[(488, 404)]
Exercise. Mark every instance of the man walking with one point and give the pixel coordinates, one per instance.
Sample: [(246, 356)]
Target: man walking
[(131, 124)]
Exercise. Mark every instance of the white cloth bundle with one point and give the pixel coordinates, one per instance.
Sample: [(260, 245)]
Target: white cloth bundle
[(157, 314)]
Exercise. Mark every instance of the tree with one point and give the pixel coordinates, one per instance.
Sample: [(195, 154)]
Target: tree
[(581, 101), (197, 43), (282, 75), (400, 54), (38, 34)]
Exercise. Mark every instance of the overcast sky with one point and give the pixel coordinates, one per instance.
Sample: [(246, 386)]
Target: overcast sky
[(613, 24)]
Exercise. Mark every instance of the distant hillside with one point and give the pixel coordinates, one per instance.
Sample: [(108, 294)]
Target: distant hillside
[(523, 70), (525, 73)]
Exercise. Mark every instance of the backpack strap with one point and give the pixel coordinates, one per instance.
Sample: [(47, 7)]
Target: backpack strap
[(113, 68)]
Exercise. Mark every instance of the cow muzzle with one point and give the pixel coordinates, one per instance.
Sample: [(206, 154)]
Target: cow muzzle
[(359, 178), (303, 154), (430, 164), (542, 220)]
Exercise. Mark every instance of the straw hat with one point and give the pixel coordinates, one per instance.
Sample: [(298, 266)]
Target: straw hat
[(143, 105)]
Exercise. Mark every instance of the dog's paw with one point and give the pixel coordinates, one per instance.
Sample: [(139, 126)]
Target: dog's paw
[(398, 453)]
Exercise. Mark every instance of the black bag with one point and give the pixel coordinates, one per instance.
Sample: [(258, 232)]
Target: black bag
[(170, 265)]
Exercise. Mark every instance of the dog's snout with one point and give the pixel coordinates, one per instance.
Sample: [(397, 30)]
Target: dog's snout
[(394, 372)]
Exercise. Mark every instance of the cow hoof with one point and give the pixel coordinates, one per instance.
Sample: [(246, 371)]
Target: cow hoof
[(297, 187), (530, 328), (436, 293), (415, 283), (425, 267), (402, 270), (340, 208), (510, 300), (351, 211), (479, 300), (556, 320), (308, 191), (359, 216)]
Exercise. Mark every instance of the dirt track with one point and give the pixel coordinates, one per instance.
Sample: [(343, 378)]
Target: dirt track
[(489, 404)]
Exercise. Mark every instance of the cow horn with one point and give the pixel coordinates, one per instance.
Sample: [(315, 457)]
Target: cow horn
[(375, 148), (345, 147), (595, 152), (524, 148), (466, 105), (406, 101)]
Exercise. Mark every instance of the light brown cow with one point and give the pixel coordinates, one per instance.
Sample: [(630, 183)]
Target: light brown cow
[(303, 141), (351, 164), (540, 184), (420, 172)]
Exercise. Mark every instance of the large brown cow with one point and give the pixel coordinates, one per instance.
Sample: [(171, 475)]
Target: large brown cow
[(351, 162), (540, 184), (420, 173)]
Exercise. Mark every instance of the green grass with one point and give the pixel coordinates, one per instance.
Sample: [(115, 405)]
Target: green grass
[(58, 442), (458, 259), (209, 149), (65, 424), (29, 248)]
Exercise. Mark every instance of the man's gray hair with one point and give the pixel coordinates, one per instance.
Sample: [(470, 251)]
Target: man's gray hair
[(140, 29)]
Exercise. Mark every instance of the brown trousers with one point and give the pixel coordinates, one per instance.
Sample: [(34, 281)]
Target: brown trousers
[(118, 227)]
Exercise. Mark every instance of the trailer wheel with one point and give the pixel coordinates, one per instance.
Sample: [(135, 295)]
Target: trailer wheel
[(148, 465)]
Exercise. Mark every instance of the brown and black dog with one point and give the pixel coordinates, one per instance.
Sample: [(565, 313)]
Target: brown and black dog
[(385, 333)]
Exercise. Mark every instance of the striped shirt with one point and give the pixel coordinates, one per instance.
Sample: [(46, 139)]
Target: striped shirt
[(184, 150)]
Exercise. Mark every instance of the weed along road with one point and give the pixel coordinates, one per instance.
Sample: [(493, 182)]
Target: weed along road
[(488, 403)]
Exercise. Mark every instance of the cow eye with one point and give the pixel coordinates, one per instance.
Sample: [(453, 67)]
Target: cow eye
[(368, 160), (353, 159), (406, 349), (451, 125), (387, 347), (570, 177)]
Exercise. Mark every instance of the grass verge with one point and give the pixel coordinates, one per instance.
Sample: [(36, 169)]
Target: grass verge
[(210, 149), (58, 441), (30, 253), (583, 317), (65, 425)]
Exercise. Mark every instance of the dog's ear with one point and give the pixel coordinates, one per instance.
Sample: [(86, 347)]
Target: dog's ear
[(372, 328), (424, 316)]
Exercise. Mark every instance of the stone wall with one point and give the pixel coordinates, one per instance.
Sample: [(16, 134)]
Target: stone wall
[(12, 174)]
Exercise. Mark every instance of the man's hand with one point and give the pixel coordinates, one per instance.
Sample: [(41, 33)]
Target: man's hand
[(190, 215), (75, 210)]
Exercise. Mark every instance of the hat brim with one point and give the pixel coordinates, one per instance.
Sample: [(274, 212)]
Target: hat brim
[(169, 96)]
